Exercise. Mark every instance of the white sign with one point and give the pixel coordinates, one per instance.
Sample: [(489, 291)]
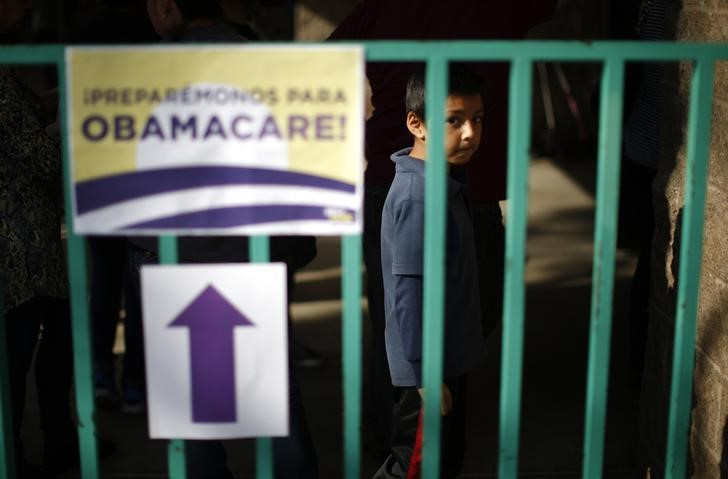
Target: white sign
[(216, 350)]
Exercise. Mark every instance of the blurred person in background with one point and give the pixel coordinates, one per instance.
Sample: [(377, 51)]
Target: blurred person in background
[(33, 275)]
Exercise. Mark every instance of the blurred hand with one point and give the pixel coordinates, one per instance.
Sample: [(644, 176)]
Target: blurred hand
[(445, 401)]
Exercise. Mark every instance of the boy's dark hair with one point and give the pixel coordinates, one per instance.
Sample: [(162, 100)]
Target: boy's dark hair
[(461, 80), (194, 9)]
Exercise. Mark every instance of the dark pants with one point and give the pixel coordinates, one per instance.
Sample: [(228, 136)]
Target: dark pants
[(109, 280), (407, 426), (53, 372), (294, 456), (133, 369)]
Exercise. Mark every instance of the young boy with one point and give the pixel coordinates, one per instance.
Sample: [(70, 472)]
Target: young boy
[(402, 266)]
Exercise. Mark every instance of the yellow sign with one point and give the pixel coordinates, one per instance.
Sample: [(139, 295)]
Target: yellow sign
[(216, 139)]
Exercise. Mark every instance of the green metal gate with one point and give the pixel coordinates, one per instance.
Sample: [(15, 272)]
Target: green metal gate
[(521, 55)]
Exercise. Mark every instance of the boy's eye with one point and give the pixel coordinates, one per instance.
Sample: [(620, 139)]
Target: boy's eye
[(452, 120), (478, 119)]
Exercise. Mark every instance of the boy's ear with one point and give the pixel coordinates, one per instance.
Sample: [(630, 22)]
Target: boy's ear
[(416, 126)]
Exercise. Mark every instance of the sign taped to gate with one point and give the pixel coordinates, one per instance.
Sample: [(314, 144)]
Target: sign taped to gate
[(216, 341), (216, 139)]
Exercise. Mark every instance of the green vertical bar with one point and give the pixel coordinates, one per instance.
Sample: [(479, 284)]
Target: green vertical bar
[(7, 451), (434, 263), (605, 244), (259, 249), (260, 253), (264, 458), (519, 141), (168, 250), (80, 325), (83, 371), (176, 459), (691, 244), (176, 448), (352, 352)]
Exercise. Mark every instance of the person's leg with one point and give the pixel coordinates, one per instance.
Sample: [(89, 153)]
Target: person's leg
[(206, 460), (452, 444), (53, 373), (490, 250), (379, 395), (295, 456), (133, 374), (405, 426), (107, 269), (452, 435), (22, 326)]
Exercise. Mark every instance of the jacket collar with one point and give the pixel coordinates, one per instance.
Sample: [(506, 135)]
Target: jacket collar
[(407, 164)]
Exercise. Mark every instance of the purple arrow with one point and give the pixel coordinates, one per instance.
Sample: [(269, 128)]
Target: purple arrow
[(211, 320)]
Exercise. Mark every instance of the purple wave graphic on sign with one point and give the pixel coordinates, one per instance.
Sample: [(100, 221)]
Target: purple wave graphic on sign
[(211, 321), (236, 216), (106, 191)]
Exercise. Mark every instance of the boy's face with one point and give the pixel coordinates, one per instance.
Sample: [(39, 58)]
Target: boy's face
[(463, 127)]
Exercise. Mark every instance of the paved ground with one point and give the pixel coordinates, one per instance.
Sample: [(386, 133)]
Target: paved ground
[(558, 298)]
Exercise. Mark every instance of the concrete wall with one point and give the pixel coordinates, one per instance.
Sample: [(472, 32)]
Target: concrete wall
[(704, 21)]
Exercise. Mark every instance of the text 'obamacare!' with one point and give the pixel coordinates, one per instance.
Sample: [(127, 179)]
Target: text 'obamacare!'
[(239, 127)]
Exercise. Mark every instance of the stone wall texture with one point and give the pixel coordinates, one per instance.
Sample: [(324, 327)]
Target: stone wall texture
[(699, 21)]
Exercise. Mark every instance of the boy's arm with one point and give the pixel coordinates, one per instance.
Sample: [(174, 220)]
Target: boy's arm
[(407, 261), (407, 266), (408, 312)]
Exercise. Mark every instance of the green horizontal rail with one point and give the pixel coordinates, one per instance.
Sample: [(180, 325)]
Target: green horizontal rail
[(487, 50), (463, 50), (32, 54)]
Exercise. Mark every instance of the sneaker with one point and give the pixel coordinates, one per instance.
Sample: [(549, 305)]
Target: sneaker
[(105, 391), (133, 401)]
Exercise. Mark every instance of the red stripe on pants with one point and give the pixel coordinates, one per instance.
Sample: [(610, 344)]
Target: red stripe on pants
[(415, 465)]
